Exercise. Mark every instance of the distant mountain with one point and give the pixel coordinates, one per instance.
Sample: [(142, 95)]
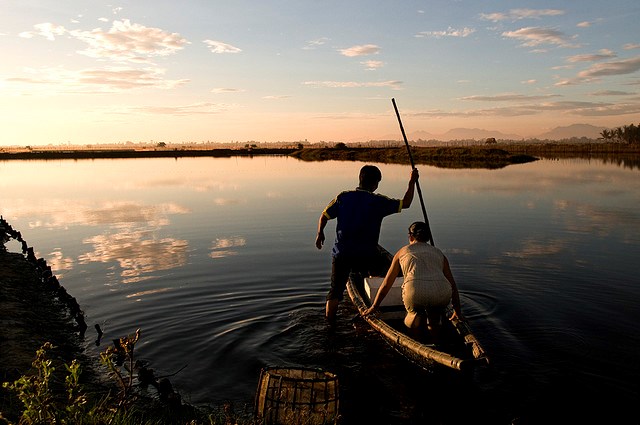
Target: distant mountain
[(558, 133), (415, 135), (421, 134), (454, 134), (476, 134), (574, 130)]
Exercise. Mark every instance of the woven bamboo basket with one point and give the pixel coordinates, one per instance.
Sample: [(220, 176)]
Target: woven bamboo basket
[(301, 396)]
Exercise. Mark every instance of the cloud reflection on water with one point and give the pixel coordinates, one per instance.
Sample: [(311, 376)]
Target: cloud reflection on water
[(224, 247), (531, 248), (129, 238), (59, 263), (137, 252)]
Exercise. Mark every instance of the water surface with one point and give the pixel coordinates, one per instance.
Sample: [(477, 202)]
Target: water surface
[(214, 260)]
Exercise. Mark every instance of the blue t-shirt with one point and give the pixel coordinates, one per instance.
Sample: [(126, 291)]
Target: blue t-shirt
[(359, 213)]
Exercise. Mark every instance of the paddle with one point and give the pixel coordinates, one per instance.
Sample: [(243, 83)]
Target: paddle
[(406, 142)]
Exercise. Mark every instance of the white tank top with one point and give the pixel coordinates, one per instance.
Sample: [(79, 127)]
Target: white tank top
[(425, 285)]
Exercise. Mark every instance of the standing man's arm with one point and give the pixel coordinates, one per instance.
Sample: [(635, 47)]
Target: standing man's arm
[(322, 222), (408, 196)]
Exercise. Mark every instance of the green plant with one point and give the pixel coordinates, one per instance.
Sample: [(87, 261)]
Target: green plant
[(122, 351), (45, 403), (33, 390), (41, 405)]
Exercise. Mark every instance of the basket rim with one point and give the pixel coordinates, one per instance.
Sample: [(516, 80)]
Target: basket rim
[(324, 375)]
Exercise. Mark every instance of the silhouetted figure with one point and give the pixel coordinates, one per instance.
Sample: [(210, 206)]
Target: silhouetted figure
[(359, 215)]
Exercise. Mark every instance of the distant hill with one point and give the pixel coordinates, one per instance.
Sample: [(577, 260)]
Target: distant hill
[(476, 133), (421, 134), (574, 130), (558, 133), (414, 135), (454, 134)]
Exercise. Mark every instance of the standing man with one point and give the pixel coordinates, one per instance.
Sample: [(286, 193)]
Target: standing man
[(359, 213)]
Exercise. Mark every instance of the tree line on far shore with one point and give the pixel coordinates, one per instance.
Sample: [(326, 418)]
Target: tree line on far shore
[(627, 133)]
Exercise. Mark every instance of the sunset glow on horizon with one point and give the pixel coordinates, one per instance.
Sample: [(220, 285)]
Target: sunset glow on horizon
[(80, 73)]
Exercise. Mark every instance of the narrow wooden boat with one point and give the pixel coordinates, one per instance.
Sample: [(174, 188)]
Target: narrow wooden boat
[(459, 348)]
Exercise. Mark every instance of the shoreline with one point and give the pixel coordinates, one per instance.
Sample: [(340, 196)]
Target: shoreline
[(35, 154), (449, 155)]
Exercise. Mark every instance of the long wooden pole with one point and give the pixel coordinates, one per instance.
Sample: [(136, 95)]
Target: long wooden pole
[(406, 142)]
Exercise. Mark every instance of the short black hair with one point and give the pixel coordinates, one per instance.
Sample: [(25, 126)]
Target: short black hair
[(370, 175), (420, 231)]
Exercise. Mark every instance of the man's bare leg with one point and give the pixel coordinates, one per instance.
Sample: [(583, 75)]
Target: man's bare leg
[(331, 311)]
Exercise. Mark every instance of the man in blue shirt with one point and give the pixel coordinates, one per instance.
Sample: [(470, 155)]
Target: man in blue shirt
[(359, 213)]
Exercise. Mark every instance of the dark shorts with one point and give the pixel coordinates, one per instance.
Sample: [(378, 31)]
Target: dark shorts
[(358, 268)]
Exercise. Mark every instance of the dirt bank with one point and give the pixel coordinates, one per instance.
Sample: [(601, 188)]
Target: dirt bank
[(30, 315)]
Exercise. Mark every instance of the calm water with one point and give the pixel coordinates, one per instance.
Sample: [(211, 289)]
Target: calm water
[(214, 260)]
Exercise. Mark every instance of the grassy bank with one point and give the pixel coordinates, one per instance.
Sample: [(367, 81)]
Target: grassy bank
[(444, 157), (489, 156), (136, 153)]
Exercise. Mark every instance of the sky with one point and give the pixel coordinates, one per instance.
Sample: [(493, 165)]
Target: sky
[(88, 72)]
